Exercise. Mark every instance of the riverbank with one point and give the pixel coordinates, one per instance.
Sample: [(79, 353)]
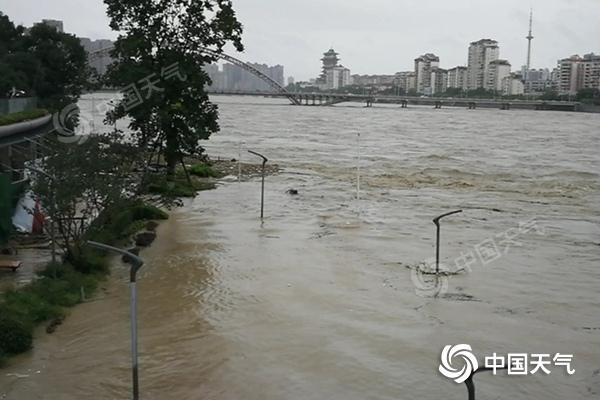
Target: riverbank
[(61, 286)]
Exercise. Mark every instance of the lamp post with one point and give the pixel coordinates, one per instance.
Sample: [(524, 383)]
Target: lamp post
[(136, 264), (436, 221), (262, 190)]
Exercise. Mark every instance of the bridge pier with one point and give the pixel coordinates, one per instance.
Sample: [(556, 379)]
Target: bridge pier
[(542, 107)]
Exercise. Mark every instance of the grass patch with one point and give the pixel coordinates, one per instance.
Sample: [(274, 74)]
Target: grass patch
[(59, 285), (203, 170), (112, 227), (178, 186), (22, 116)]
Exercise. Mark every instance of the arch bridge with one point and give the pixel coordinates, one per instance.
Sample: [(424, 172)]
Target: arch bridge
[(278, 88)]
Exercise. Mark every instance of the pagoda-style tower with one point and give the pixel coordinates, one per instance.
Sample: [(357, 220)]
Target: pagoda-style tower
[(329, 60)]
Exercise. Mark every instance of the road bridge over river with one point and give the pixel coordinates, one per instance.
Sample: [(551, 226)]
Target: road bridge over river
[(328, 99)]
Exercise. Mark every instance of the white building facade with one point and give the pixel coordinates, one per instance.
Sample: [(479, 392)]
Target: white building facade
[(497, 71), (423, 68), (512, 85), (481, 54), (457, 78)]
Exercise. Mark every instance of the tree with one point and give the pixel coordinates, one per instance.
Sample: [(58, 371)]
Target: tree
[(159, 64), (81, 180), (9, 33), (62, 71), (454, 92), (44, 62), (589, 96)]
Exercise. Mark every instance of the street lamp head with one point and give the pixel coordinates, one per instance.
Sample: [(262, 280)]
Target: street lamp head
[(136, 262), (436, 220)]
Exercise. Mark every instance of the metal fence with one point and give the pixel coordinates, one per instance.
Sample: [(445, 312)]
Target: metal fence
[(17, 104)]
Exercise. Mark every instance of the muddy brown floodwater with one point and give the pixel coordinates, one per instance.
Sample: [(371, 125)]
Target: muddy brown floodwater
[(316, 301)]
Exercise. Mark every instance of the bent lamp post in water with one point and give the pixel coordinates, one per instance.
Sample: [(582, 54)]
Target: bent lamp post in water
[(262, 190), (436, 221), (136, 264), (471, 384)]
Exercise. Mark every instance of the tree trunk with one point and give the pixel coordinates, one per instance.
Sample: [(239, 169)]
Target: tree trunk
[(172, 156)]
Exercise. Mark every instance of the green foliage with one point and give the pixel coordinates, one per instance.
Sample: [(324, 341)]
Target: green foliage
[(141, 211), (6, 209), (170, 187), (180, 114), (29, 304), (22, 116), (589, 96), (122, 221), (88, 261), (59, 285), (203, 170), (44, 62), (16, 336), (453, 92), (175, 187), (84, 179)]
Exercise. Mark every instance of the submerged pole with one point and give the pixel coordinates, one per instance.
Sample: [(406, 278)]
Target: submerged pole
[(471, 384), (240, 162), (262, 189), (136, 264), (358, 166), (436, 221)]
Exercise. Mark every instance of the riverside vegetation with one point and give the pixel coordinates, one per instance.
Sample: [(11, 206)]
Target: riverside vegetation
[(104, 187), (60, 285)]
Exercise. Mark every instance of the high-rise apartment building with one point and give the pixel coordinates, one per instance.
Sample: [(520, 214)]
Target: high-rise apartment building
[(590, 71), (512, 85), (538, 80), (481, 54), (568, 74), (423, 68), (457, 78), (235, 78), (439, 80), (406, 80), (98, 56), (497, 71)]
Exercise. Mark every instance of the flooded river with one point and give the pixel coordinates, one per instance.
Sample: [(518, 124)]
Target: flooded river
[(316, 302)]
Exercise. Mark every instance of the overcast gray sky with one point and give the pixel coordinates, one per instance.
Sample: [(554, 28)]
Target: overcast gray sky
[(372, 36)]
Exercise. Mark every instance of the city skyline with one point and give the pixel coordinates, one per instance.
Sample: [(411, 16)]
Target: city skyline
[(378, 40)]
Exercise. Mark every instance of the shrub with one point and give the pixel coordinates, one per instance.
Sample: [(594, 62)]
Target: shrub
[(16, 336), (171, 188), (203, 170), (89, 261), (59, 285), (143, 211), (29, 305), (123, 221)]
